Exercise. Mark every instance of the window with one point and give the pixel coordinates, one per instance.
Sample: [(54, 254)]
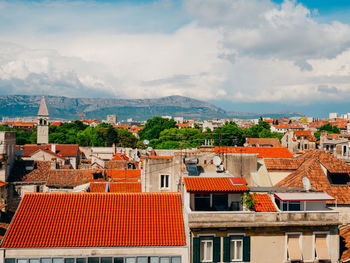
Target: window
[(293, 247), (202, 202), (46, 260), (288, 205), (344, 150), (106, 260), (294, 206), (236, 249), (130, 260), (206, 249), (142, 259), (164, 181), (321, 246), (93, 260), (118, 260), (176, 260), (154, 260), (69, 260), (164, 260)]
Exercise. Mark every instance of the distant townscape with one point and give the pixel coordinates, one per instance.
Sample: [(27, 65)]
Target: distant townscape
[(173, 189)]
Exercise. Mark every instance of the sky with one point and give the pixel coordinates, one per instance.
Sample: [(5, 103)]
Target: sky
[(241, 55)]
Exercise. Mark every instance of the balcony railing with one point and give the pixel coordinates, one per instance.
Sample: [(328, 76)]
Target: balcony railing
[(253, 219)]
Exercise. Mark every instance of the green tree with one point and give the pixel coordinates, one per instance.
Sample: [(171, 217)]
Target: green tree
[(154, 127), (327, 127), (228, 135)]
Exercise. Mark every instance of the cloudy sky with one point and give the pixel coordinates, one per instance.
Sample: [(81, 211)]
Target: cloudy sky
[(244, 55)]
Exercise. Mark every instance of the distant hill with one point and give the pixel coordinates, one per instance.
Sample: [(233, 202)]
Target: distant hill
[(138, 109)]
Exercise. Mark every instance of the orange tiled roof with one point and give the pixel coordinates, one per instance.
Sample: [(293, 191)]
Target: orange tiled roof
[(274, 142), (98, 187), (64, 150), (215, 184), (125, 187), (282, 163), (124, 174), (345, 234), (120, 157), (116, 187), (311, 168), (119, 220), (263, 152), (307, 134), (40, 173), (160, 157), (263, 203), (69, 177), (2, 183)]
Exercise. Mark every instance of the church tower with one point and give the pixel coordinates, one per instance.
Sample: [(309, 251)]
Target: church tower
[(43, 123)]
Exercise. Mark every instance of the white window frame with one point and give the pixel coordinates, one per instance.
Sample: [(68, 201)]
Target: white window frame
[(286, 243), (314, 242), (235, 240), (206, 242), (212, 246), (166, 186)]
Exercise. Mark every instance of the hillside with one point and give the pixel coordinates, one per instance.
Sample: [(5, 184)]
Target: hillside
[(138, 109)]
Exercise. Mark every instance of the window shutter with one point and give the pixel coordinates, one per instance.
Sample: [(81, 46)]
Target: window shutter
[(196, 250), (227, 249), (246, 248), (216, 255)]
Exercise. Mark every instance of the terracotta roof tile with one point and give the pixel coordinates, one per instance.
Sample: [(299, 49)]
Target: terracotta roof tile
[(64, 150), (120, 157), (215, 184), (263, 152), (263, 203), (2, 183), (116, 187), (125, 187), (124, 174), (311, 168), (282, 163), (160, 157), (274, 142), (40, 172), (97, 220), (69, 177), (345, 239)]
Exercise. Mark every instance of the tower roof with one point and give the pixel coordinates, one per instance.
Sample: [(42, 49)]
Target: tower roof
[(43, 109)]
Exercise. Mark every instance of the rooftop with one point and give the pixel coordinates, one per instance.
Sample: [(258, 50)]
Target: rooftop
[(119, 220), (215, 184), (263, 152)]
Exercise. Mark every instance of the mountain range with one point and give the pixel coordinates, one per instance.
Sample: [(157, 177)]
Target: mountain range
[(139, 109)]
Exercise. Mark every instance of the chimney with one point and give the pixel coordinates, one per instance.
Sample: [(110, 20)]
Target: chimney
[(53, 148), (53, 163)]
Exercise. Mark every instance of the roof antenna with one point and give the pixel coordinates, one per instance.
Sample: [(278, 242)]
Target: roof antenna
[(306, 183)]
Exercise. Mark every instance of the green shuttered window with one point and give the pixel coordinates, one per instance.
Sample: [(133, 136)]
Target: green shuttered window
[(236, 249)]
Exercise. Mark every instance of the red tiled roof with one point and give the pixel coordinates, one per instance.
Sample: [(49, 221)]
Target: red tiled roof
[(307, 134), (69, 177), (120, 157), (345, 235), (263, 203), (125, 187), (64, 150), (97, 220), (160, 157), (215, 184), (274, 142), (2, 183), (116, 187), (124, 174), (282, 163), (311, 168), (40, 173), (263, 152), (98, 187)]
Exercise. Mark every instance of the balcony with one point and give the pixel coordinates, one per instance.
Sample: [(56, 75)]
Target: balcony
[(206, 219)]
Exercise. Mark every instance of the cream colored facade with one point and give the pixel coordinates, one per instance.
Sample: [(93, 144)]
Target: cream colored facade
[(181, 251), (7, 153)]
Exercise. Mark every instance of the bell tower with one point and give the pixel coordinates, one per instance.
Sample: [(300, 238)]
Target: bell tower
[(43, 123)]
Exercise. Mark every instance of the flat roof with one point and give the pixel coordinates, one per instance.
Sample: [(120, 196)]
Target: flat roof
[(320, 196)]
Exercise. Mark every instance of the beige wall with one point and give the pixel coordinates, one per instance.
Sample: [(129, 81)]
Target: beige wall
[(270, 244), (96, 252), (278, 175)]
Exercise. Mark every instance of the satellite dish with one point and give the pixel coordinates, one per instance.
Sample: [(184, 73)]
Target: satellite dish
[(306, 183), (217, 160), (19, 152), (145, 142), (149, 149)]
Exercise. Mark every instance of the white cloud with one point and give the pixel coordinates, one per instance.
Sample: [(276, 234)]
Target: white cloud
[(243, 50)]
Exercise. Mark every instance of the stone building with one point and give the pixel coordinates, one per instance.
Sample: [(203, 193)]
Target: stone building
[(7, 153), (43, 123)]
